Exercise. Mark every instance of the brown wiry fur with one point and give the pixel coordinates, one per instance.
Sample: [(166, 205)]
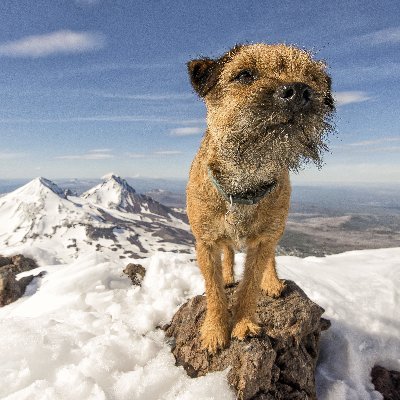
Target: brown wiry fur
[(250, 140)]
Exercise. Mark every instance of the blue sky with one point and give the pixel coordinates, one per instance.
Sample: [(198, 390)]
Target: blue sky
[(93, 86)]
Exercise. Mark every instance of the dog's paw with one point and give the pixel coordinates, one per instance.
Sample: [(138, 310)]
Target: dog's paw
[(274, 289), (214, 336), (245, 327)]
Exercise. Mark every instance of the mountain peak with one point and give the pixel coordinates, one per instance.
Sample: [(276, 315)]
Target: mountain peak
[(37, 185), (116, 181), (113, 192), (110, 175)]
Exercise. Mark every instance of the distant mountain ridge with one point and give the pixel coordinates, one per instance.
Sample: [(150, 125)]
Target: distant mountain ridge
[(112, 216)]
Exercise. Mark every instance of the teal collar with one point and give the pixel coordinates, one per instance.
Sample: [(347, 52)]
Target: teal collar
[(250, 197)]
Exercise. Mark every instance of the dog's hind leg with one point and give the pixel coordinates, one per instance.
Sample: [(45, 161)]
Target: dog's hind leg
[(216, 326), (271, 284), (227, 265), (258, 256)]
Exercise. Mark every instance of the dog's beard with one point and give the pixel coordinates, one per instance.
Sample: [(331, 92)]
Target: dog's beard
[(260, 145)]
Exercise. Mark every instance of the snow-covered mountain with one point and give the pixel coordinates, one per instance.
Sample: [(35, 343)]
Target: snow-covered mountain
[(115, 193), (111, 217)]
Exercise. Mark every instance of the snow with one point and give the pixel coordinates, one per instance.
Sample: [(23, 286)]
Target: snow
[(82, 331), (85, 332), (360, 292)]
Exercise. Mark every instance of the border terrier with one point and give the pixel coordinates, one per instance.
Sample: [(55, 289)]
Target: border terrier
[(269, 109)]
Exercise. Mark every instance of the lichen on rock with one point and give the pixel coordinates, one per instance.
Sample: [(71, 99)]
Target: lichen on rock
[(277, 364), (136, 273), (12, 289)]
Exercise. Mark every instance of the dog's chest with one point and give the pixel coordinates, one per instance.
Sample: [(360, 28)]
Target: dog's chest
[(239, 224)]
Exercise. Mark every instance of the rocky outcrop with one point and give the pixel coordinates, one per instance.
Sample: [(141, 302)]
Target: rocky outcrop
[(135, 272), (278, 364), (386, 382), (12, 289)]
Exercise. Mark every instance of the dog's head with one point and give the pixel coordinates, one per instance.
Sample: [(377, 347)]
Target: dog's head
[(269, 108)]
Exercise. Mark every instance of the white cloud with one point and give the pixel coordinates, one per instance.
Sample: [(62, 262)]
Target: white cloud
[(135, 155), (117, 118), (123, 118), (90, 155), (105, 67), (100, 151), (343, 98), (374, 149), (64, 41), (108, 118), (382, 140), (148, 97), (87, 2), (187, 131), (354, 173), (168, 152), (10, 155), (389, 35)]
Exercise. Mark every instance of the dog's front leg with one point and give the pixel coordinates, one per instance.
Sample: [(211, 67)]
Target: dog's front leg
[(227, 265), (258, 256), (271, 284), (216, 327)]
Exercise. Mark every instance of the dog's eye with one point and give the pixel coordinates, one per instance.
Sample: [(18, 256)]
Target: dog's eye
[(246, 77)]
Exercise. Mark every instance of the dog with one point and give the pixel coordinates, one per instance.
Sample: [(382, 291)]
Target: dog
[(269, 110)]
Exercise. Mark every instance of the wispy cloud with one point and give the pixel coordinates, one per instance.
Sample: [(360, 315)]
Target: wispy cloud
[(168, 152), (60, 42), (343, 98), (94, 154), (107, 118), (154, 154), (109, 67), (135, 155), (382, 36), (118, 118), (380, 145), (187, 131), (369, 72), (374, 142), (10, 155), (378, 148), (88, 3), (100, 151), (147, 97), (360, 172)]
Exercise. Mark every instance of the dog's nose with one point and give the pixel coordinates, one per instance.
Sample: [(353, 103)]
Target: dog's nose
[(296, 94)]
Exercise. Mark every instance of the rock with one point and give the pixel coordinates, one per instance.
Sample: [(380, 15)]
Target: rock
[(136, 273), (386, 382), (12, 289), (69, 192), (22, 264), (278, 364), (5, 261)]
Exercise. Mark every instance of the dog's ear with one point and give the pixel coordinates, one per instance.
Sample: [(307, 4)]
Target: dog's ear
[(328, 99), (203, 74)]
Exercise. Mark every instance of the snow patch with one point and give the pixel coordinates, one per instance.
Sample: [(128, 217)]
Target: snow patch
[(86, 332)]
